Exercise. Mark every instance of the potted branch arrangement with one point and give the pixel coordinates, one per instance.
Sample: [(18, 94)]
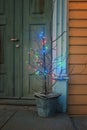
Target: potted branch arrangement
[(43, 65)]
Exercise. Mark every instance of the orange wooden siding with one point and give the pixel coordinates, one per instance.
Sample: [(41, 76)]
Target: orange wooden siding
[(77, 94)]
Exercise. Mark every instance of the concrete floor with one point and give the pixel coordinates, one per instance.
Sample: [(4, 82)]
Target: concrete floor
[(27, 119), (80, 122)]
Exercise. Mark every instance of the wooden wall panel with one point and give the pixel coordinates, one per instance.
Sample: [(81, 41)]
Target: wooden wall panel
[(78, 41), (78, 69), (77, 0), (78, 59), (78, 79), (77, 99), (78, 5), (78, 50), (78, 32), (78, 23), (77, 109), (78, 14), (77, 93), (78, 89)]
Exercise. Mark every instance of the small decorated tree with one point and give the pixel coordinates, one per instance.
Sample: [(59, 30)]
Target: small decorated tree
[(44, 66)]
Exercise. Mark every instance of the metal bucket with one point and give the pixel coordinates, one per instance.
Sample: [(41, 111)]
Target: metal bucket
[(47, 107)]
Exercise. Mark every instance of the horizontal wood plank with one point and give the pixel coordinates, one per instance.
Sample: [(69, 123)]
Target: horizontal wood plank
[(78, 40), (77, 109), (78, 69), (77, 0), (78, 49), (78, 79), (78, 59), (78, 14), (78, 23), (78, 5), (77, 99), (78, 32), (77, 89)]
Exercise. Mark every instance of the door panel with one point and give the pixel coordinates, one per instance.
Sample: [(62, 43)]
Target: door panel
[(36, 19), (10, 52), (6, 49)]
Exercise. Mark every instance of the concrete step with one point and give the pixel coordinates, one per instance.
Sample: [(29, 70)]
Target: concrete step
[(17, 101), (29, 120)]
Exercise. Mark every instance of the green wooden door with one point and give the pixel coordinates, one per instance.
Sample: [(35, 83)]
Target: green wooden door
[(20, 22), (37, 17), (10, 52)]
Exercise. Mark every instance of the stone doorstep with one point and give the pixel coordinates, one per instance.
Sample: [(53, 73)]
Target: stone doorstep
[(17, 101)]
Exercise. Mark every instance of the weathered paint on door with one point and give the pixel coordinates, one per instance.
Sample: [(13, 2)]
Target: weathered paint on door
[(20, 21), (77, 99)]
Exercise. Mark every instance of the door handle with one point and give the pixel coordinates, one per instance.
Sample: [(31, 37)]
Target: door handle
[(14, 39), (17, 46)]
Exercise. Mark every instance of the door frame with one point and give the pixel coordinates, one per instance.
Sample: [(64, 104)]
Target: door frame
[(60, 26)]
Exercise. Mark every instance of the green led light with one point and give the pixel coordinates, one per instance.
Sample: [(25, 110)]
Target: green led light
[(36, 56), (37, 72), (46, 47)]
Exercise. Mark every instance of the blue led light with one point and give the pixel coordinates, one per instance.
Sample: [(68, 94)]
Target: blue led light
[(41, 35), (44, 51), (46, 71)]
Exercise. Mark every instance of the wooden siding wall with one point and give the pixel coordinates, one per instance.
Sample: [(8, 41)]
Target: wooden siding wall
[(77, 98)]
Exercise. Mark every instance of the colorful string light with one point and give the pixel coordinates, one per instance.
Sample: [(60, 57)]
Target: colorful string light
[(41, 61)]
